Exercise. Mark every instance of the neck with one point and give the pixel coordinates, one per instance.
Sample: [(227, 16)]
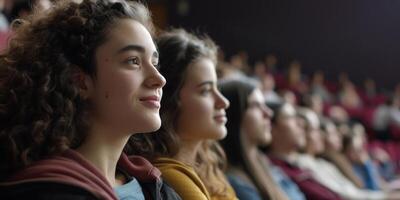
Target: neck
[(103, 148), (188, 151), (250, 148)]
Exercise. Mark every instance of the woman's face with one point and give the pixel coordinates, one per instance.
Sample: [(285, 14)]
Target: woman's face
[(127, 88), (201, 105), (256, 122)]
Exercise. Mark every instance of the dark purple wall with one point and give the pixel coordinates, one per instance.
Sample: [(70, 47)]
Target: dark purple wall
[(361, 37)]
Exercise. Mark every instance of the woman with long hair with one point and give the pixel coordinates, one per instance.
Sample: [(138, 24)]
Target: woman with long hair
[(76, 81), (249, 128), (185, 148)]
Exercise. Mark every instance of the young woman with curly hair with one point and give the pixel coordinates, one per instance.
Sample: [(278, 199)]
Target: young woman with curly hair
[(76, 82), (185, 148)]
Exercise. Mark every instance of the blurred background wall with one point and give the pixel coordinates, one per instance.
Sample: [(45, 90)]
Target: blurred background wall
[(360, 37)]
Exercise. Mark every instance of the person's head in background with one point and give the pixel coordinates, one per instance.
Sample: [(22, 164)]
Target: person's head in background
[(239, 61), (248, 119), (260, 69), (314, 102), (311, 125), (267, 82), (248, 125), (332, 137), (271, 62), (287, 134), (318, 78), (76, 77), (354, 144), (193, 110), (294, 72)]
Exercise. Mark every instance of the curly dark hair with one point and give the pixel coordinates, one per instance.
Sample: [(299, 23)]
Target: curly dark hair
[(41, 110)]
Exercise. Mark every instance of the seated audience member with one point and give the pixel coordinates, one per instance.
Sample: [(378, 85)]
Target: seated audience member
[(268, 89), (349, 97), (295, 81), (386, 115), (249, 171), (288, 137), (317, 86), (333, 151), (354, 147), (323, 171), (315, 103), (260, 69), (185, 148), (271, 63), (72, 94)]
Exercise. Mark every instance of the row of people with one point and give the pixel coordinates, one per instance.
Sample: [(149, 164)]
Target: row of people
[(94, 106)]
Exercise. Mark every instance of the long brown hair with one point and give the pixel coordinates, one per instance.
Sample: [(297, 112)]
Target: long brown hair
[(178, 49), (41, 111)]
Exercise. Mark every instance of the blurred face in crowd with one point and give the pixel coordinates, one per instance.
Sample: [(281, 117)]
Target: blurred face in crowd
[(333, 138), (127, 88), (202, 106), (286, 129), (356, 151), (271, 60), (268, 82), (313, 134), (256, 122)]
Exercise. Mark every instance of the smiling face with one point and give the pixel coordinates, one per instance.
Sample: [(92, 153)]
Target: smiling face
[(201, 105), (256, 122), (127, 87)]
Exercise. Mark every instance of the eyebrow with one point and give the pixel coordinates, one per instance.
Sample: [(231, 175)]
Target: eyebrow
[(205, 83), (133, 47)]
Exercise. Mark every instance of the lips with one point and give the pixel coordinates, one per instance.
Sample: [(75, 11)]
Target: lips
[(221, 118), (152, 101)]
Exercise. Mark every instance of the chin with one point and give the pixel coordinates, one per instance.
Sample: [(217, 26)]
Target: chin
[(221, 135), (149, 126)]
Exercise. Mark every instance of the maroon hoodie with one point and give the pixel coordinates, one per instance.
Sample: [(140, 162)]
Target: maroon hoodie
[(71, 168)]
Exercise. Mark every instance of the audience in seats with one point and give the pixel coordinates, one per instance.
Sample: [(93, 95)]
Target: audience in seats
[(249, 171), (288, 137)]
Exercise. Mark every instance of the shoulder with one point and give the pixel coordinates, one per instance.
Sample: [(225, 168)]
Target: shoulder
[(173, 169), (183, 179), (45, 190)]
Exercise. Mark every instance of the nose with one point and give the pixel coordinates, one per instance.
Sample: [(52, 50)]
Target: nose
[(155, 79), (221, 102)]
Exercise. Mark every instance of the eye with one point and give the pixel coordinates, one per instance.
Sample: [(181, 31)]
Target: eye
[(205, 90), (133, 61)]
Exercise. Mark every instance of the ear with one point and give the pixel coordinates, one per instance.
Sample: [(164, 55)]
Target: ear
[(84, 82)]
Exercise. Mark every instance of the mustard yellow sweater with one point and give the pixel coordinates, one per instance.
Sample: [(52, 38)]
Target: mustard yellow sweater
[(186, 182), (182, 178)]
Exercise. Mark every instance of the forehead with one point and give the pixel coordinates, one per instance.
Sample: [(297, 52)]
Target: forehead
[(128, 31), (200, 70)]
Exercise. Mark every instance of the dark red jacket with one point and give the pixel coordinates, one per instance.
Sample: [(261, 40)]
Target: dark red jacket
[(71, 176), (312, 189)]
